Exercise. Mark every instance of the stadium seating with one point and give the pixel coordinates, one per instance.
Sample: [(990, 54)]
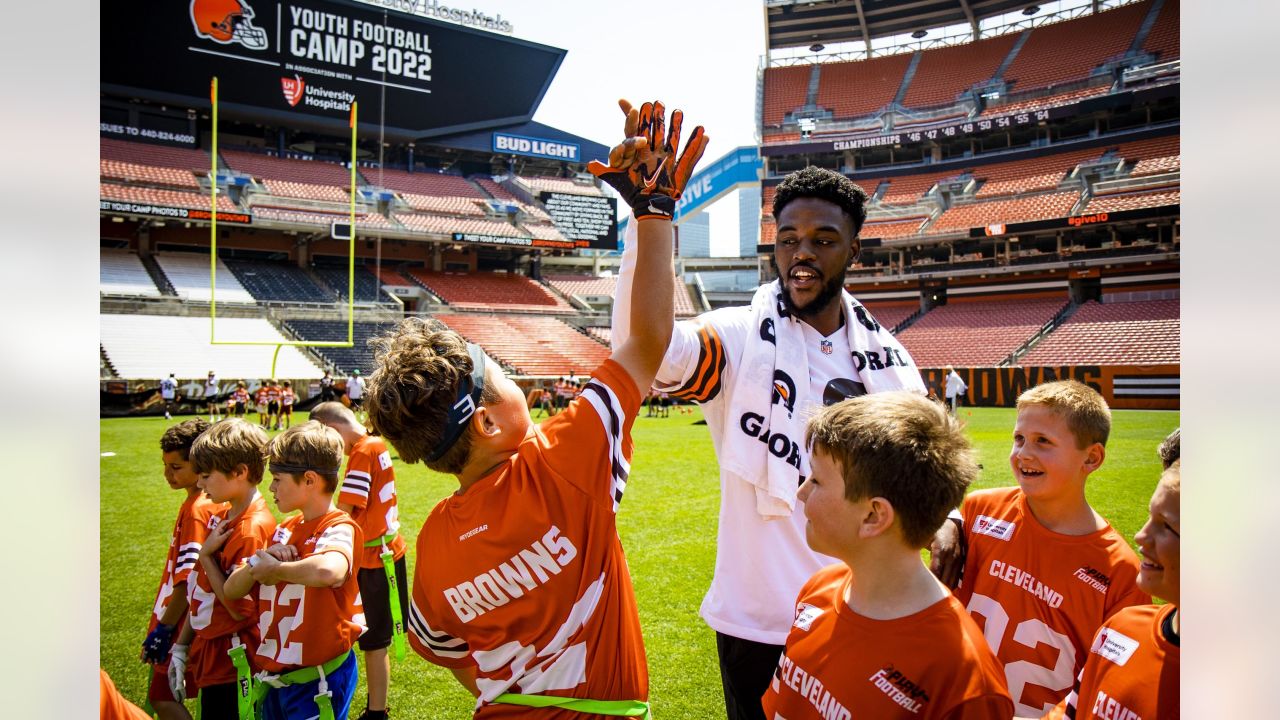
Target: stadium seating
[(1045, 102), (152, 346), (188, 272), (854, 89), (157, 196), (1154, 155), (441, 225), (977, 333), (1066, 51), (490, 291), (120, 272), (1163, 40), (270, 281), (530, 345), (311, 172), (128, 172), (543, 231), (558, 185), (1022, 209), (1117, 202), (364, 221), (424, 183), (344, 359), (387, 276), (368, 286), (494, 189), (447, 205), (890, 315), (586, 285), (895, 229), (164, 156), (785, 89), (1021, 176), (1118, 333), (603, 334), (306, 191), (907, 189), (944, 73)]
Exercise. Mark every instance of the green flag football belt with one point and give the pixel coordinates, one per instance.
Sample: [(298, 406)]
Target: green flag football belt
[(252, 689), (614, 708), (393, 590)]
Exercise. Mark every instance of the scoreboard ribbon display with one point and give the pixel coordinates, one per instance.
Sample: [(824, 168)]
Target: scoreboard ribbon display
[(302, 63)]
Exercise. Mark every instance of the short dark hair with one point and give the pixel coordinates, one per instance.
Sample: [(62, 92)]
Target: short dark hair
[(228, 444), (180, 437), (816, 182), (902, 447)]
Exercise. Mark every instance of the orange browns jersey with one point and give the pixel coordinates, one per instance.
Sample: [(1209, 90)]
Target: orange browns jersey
[(260, 397), (273, 394), (523, 576), (370, 486), (251, 532), (112, 705), (1131, 672), (189, 531), (839, 664), (286, 397), (240, 395), (303, 626), (1040, 595)]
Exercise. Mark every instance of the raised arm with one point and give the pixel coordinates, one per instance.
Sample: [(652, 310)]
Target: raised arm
[(649, 173)]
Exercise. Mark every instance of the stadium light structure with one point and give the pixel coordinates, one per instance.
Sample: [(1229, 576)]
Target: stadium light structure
[(213, 248)]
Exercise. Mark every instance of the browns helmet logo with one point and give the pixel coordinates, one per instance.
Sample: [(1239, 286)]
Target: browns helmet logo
[(784, 390), (226, 22)]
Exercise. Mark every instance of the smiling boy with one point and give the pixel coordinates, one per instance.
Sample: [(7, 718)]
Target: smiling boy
[(1044, 570)]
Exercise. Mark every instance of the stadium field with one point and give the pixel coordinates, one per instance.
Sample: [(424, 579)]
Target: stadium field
[(667, 523)]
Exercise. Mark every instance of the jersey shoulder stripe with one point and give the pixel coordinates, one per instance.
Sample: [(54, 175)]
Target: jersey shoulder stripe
[(438, 642), (609, 410), (706, 381)]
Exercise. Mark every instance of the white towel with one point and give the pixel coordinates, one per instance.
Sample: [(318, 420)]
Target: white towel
[(773, 382)]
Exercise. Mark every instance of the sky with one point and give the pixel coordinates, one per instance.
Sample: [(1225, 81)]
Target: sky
[(700, 57)]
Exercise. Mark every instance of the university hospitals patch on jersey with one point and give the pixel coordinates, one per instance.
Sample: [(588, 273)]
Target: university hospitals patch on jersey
[(996, 528), (1114, 645)]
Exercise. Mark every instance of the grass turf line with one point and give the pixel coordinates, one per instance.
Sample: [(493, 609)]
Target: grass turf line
[(667, 523)]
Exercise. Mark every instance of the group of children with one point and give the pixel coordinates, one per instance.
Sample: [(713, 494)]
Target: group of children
[(273, 402), (256, 618), (521, 586)]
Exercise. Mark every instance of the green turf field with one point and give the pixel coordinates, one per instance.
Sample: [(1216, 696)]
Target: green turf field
[(667, 523)]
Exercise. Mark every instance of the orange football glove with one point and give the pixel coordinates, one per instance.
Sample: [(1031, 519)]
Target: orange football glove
[(646, 169)]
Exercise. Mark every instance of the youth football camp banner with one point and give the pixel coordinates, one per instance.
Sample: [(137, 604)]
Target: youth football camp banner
[(1128, 387), (303, 62)]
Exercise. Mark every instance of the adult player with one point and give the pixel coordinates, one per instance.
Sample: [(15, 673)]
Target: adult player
[(759, 372), (168, 393)]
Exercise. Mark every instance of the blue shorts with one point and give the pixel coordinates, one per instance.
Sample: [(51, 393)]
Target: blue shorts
[(297, 702)]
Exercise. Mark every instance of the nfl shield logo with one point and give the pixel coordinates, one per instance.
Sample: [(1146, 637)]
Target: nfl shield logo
[(292, 88), (826, 346)]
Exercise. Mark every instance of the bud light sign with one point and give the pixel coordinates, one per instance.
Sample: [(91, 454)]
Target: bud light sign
[(535, 147)]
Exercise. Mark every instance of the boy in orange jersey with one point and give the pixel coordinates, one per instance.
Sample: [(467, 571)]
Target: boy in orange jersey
[(307, 668), (241, 399), (1132, 670), (287, 398), (189, 531), (368, 494), (229, 458), (877, 635), (521, 586), (273, 404), (260, 398), (1043, 569)]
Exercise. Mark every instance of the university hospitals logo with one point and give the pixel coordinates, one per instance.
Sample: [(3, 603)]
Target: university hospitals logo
[(1114, 646), (994, 527), (227, 22), (292, 88)]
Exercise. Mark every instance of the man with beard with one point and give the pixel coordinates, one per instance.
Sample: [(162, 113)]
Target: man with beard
[(759, 372)]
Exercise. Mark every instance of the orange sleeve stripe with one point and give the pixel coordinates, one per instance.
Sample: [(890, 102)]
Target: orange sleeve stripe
[(705, 383)]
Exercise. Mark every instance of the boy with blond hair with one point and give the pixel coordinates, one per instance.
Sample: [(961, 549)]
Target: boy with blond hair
[(228, 457), (521, 586), (1043, 569), (1132, 670), (189, 531), (368, 494), (894, 643), (306, 666)]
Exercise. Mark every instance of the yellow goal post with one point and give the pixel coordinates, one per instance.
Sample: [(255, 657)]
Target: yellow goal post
[(213, 250)]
